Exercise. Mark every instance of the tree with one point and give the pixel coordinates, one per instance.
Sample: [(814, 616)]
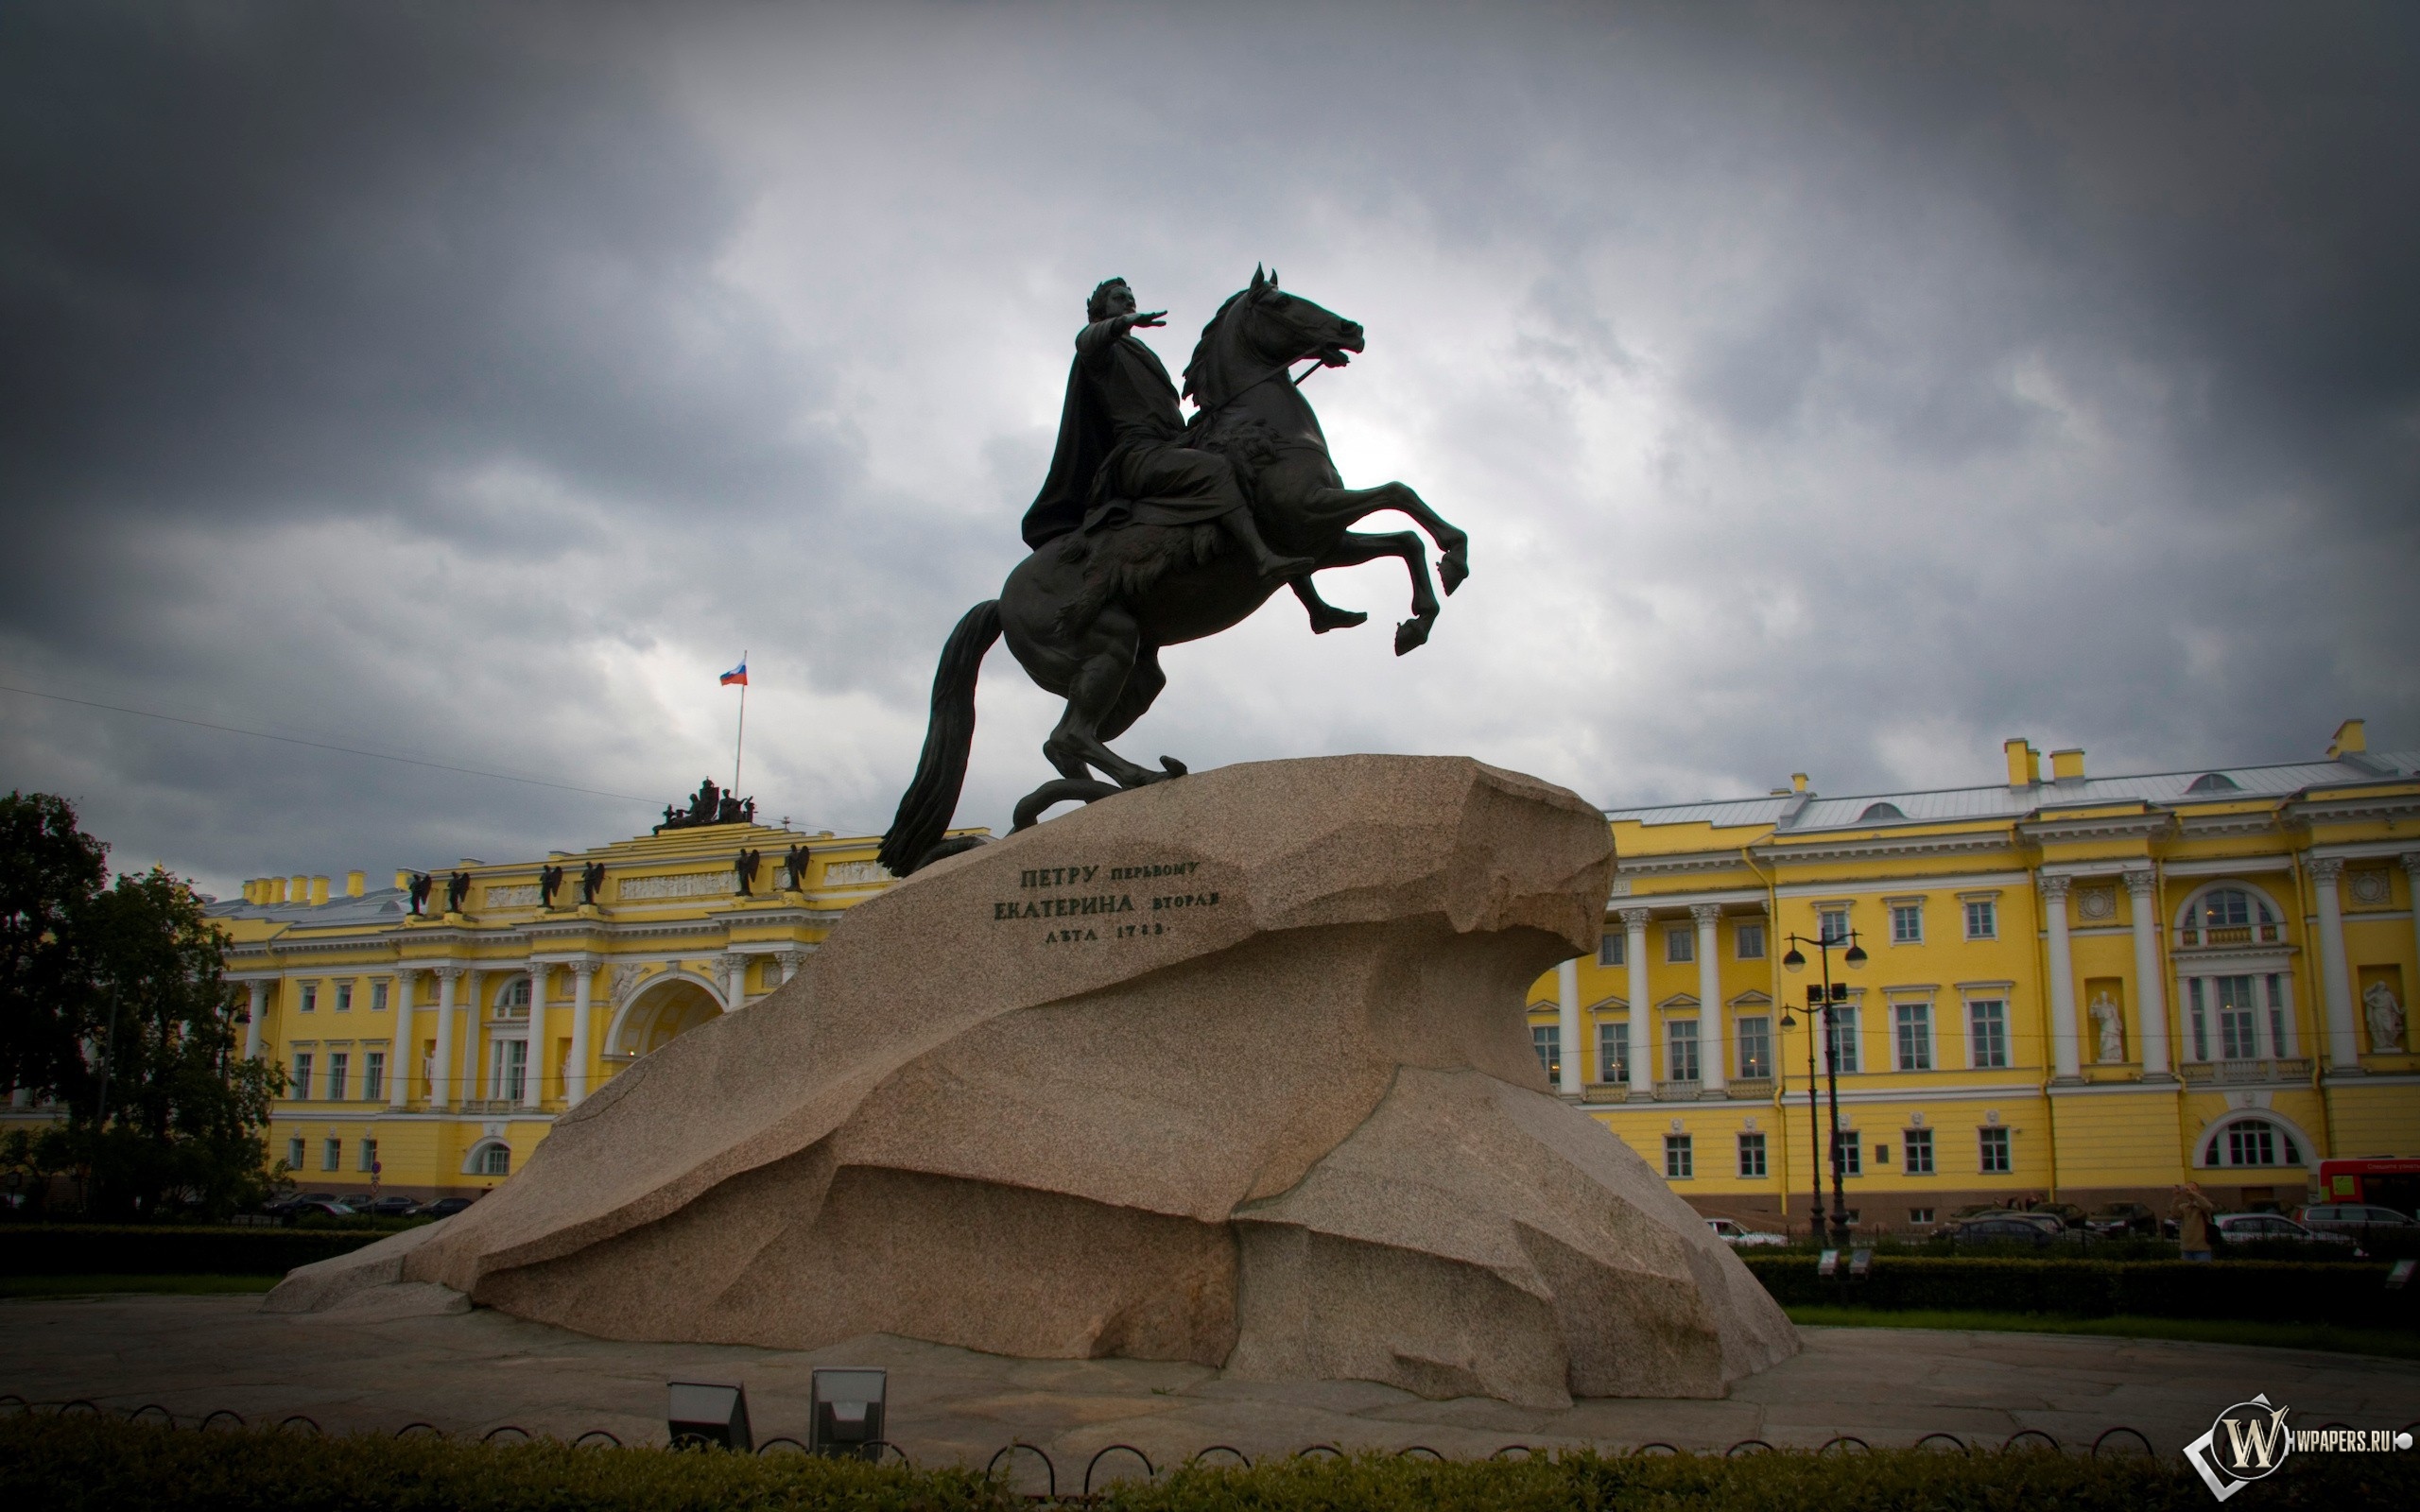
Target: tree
[(126, 1021)]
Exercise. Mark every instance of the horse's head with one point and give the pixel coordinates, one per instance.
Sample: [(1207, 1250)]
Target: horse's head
[(1260, 328)]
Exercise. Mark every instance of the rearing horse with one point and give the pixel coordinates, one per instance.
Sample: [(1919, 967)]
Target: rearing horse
[(1087, 613)]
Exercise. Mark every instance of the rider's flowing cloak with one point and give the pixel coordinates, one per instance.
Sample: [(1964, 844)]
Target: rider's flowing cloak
[(1100, 480), (1085, 437)]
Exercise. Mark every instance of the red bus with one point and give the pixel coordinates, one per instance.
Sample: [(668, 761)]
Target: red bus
[(2388, 1180)]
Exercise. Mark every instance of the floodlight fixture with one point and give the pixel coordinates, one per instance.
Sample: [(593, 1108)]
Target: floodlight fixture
[(700, 1414), (847, 1411)]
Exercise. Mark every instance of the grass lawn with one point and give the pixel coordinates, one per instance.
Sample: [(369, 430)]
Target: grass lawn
[(2394, 1343), (100, 1285)]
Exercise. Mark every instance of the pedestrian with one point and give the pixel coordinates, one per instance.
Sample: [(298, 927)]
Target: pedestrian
[(2193, 1212)]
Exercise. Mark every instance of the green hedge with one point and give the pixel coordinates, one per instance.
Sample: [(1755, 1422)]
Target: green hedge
[(98, 1249), (91, 1464), (2279, 1291)]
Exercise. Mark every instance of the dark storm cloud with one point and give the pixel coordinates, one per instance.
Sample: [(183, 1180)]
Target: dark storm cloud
[(1827, 387)]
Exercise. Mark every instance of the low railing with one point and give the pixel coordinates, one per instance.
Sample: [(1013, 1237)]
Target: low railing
[(2197, 936), (2288, 1067), (1606, 1091), (1677, 1091), (1751, 1087)]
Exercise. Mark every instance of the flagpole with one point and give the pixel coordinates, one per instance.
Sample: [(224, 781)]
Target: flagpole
[(740, 744)]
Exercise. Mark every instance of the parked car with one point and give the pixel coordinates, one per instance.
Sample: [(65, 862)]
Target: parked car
[(1731, 1231), (316, 1208), (445, 1207), (2120, 1219), (284, 1206), (2068, 1215), (2005, 1229), (2355, 1221), (391, 1208), (2250, 1228)]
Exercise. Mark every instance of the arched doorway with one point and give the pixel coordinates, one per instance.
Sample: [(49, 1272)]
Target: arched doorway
[(667, 1009)]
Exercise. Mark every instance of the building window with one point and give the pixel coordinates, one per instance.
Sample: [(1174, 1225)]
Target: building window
[(331, 1155), (369, 1155), (373, 1075), (1915, 1144), (1613, 1052), (513, 1001), (1842, 1048), (300, 1088), (1848, 1154), (1983, 919), (2238, 1018), (2230, 916), (1987, 1033), (1751, 941), (1911, 1032), (1546, 1039), (2252, 1141), (1906, 923), (2281, 1023), (344, 997), (1920, 1215), (310, 997), (1755, 1035), (377, 997), (339, 1064), (508, 1070), (294, 1153), (1680, 943), (1752, 1155), (1680, 1160), (1832, 924), (1994, 1147), (1681, 1050), (497, 1159), (1612, 948)]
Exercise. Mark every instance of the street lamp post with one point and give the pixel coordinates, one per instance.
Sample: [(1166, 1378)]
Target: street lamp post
[(1828, 995)]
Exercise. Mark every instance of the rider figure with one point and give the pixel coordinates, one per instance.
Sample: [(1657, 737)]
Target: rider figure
[(1121, 457)]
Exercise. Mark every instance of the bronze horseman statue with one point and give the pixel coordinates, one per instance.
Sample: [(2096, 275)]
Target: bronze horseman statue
[(1151, 530)]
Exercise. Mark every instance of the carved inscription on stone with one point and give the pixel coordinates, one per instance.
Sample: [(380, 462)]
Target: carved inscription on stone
[(1089, 910)]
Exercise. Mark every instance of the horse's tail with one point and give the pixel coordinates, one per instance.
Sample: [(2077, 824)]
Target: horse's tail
[(926, 808)]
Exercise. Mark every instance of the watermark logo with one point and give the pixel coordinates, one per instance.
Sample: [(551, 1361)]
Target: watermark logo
[(2249, 1440)]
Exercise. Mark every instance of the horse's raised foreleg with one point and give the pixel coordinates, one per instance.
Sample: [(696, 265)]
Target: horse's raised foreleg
[(1108, 660), (1346, 505), (1324, 615), (1359, 546)]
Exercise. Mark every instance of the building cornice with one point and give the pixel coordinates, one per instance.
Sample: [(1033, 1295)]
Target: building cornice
[(2080, 827), (1867, 846)]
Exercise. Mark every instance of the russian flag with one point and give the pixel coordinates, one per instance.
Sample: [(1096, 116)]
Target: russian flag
[(737, 674)]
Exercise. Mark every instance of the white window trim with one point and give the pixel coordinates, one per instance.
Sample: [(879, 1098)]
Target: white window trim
[(1932, 1028), (1987, 993)]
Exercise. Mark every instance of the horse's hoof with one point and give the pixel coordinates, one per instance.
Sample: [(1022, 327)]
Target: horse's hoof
[(1452, 568), (1410, 633), (1174, 767), (1342, 619)]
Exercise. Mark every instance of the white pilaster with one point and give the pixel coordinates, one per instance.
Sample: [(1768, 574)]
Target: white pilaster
[(401, 1048), (2151, 984), (735, 981), (534, 1068), (2065, 1064), (791, 961), (1642, 1015), (584, 977), (441, 1069), (2336, 981), (1566, 1003), (259, 1011), (1713, 1044)]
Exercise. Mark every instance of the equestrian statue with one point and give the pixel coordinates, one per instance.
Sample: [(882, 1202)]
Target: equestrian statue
[(1151, 530)]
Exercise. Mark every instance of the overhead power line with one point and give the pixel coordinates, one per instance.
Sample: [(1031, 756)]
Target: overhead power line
[(321, 745)]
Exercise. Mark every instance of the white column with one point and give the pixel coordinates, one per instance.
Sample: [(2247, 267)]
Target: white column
[(1712, 1042), (441, 1070), (259, 1011), (533, 1065), (2336, 982), (2064, 1060), (584, 977), (734, 976), (1566, 1002), (2151, 987), (791, 961), (2412, 892), (469, 1075), (401, 1047), (1642, 1015)]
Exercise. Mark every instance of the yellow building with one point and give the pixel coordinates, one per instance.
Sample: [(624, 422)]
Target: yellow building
[(2088, 988), (440, 1048)]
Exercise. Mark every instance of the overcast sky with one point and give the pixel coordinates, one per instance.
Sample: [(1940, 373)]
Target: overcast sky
[(1825, 387)]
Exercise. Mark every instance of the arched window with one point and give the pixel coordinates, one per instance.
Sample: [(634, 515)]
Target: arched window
[(2229, 915), (489, 1157), (513, 1001), (1874, 812), (2250, 1141), (2213, 783)]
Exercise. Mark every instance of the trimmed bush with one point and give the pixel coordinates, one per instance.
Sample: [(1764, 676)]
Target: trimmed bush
[(2277, 1291), (91, 1464), (98, 1249)]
